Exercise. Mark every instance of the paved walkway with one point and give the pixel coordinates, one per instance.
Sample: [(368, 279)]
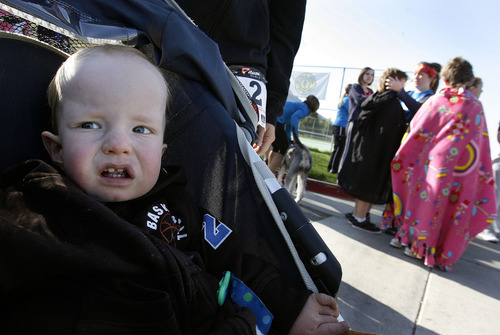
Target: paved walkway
[(386, 292)]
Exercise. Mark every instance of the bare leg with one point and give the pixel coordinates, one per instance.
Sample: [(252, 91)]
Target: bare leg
[(361, 208), (274, 160), (359, 219)]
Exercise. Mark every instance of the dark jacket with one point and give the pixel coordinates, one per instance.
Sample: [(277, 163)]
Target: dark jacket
[(71, 264), (259, 33), (365, 173)]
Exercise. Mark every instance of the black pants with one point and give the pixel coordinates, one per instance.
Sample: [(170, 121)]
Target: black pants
[(339, 137), (281, 143)]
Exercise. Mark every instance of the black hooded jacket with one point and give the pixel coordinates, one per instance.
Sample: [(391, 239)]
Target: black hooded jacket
[(70, 264), (366, 171)]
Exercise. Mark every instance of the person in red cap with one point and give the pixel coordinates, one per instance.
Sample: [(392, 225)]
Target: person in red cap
[(426, 83)]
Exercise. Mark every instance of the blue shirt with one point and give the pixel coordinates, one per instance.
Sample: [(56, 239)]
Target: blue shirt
[(342, 113), (413, 100), (293, 112), (421, 96)]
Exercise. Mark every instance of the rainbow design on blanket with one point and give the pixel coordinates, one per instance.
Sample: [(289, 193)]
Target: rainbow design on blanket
[(398, 205), (466, 165)]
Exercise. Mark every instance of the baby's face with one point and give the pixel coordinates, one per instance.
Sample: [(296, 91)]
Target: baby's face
[(111, 127)]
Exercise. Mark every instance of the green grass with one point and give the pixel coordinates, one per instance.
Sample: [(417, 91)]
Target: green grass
[(320, 163)]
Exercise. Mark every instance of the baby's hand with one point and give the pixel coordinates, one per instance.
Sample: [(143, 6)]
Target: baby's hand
[(319, 316)]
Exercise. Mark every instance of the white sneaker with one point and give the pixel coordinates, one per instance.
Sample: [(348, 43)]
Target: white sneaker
[(410, 253), (396, 243), (487, 235)]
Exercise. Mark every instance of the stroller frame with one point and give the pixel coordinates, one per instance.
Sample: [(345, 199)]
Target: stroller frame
[(309, 262)]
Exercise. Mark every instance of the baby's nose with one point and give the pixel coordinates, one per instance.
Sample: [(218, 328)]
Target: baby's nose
[(116, 142)]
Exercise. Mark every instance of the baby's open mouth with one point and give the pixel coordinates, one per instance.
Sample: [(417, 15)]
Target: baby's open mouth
[(115, 173)]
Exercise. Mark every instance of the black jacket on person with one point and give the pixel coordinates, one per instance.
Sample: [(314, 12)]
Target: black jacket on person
[(366, 171), (71, 264), (264, 34)]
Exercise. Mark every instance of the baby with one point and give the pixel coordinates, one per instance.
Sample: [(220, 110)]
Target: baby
[(122, 244), (108, 119)]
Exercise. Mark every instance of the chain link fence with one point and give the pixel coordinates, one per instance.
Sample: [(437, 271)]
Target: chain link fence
[(317, 129)]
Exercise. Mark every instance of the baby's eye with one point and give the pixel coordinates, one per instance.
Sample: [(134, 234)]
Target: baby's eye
[(89, 125), (141, 130)]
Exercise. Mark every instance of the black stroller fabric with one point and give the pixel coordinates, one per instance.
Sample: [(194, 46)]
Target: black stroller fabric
[(63, 274), (201, 132), (202, 139), (25, 113), (201, 129)]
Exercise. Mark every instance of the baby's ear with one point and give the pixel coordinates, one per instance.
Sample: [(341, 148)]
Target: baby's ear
[(53, 146)]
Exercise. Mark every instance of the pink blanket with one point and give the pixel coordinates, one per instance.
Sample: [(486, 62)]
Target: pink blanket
[(442, 178)]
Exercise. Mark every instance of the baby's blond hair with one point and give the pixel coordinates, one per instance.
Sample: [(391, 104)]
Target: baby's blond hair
[(55, 91)]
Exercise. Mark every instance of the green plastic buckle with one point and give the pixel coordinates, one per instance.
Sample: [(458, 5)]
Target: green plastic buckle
[(223, 286)]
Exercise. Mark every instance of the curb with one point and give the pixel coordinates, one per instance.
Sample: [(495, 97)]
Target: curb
[(325, 188), (330, 189)]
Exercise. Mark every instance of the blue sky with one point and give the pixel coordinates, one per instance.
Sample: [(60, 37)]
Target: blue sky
[(399, 33)]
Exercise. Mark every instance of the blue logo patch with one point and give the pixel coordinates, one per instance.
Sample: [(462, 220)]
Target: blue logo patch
[(215, 234)]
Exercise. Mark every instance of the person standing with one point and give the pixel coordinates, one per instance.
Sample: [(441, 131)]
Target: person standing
[(259, 37), (338, 130), (359, 92), (442, 177), (496, 170), (489, 233), (381, 125)]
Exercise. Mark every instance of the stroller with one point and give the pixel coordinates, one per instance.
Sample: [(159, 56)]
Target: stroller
[(210, 122)]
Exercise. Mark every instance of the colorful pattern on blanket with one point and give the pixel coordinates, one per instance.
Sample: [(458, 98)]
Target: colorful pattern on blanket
[(444, 193)]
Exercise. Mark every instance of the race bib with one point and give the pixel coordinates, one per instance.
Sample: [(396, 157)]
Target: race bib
[(254, 83)]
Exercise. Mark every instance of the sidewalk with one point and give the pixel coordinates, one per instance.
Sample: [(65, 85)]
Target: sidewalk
[(385, 292)]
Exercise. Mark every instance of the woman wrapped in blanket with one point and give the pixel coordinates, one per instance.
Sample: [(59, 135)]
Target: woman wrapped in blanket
[(443, 184)]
